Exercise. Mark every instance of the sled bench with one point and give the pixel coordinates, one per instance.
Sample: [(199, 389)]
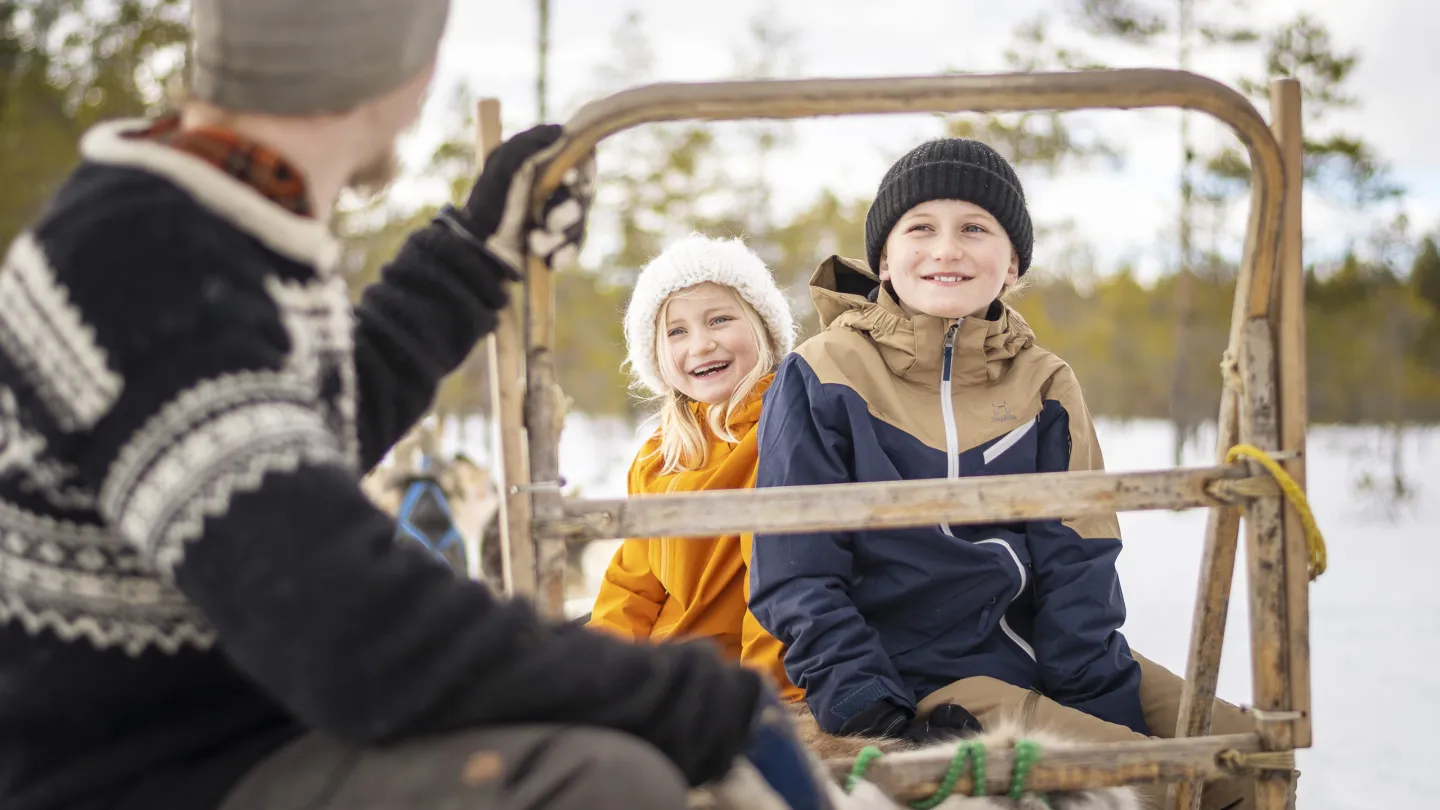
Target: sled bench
[(1263, 407)]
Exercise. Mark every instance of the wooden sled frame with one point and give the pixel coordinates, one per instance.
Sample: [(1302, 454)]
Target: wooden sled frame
[(1263, 404)]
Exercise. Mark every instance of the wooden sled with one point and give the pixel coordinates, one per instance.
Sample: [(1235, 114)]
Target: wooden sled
[(1263, 406)]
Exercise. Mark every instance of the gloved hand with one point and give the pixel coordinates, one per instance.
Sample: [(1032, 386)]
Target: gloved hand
[(496, 216), (880, 719), (947, 721), (775, 751)]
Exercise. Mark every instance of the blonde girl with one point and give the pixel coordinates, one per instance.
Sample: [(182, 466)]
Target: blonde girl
[(705, 329)]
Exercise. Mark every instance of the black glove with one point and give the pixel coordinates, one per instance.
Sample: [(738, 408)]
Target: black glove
[(710, 706), (880, 719), (496, 217), (946, 722)]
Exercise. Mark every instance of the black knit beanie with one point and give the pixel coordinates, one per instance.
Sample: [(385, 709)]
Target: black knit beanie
[(951, 169)]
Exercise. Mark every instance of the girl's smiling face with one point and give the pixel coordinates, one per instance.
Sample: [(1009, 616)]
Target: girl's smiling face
[(709, 344)]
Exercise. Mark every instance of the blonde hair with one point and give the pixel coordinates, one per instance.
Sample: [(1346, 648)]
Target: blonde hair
[(683, 446)]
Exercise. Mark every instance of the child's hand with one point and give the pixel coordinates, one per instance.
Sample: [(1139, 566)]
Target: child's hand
[(947, 721), (880, 719)]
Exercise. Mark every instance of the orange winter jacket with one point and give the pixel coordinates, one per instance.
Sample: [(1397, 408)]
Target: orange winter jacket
[(677, 587)]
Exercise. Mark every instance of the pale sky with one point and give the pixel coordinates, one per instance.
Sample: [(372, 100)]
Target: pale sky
[(1128, 214)]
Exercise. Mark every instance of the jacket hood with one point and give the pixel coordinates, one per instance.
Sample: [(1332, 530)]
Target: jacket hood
[(848, 295)]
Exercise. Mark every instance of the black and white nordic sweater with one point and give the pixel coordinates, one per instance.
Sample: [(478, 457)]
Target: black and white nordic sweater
[(190, 575)]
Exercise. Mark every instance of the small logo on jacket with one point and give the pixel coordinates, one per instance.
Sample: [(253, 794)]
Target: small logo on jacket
[(1001, 412)]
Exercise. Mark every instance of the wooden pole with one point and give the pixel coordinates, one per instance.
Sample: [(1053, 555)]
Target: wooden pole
[(1294, 391), (895, 504), (912, 775), (544, 419), (506, 348), (1212, 608), (1286, 294), (1265, 555)]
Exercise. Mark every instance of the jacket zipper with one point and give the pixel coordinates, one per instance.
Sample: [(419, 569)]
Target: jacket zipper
[(947, 408), (952, 470)]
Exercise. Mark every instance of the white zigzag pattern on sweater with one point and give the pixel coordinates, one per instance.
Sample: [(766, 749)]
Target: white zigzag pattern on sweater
[(81, 581), (188, 412), (196, 475), (220, 438)]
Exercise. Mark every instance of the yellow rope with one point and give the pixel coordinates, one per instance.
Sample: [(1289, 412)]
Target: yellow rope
[(1296, 496)]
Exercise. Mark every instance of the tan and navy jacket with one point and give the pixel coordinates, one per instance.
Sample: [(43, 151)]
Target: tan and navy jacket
[(894, 614)]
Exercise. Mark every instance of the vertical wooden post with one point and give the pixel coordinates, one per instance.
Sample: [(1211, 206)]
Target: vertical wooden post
[(506, 347), (1265, 553), (1212, 608), (1294, 390), (544, 418)]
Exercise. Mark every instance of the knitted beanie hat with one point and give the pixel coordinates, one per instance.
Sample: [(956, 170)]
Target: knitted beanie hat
[(309, 57), (951, 169), (690, 261)]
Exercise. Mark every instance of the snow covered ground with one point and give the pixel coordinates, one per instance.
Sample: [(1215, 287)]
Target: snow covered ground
[(1375, 615)]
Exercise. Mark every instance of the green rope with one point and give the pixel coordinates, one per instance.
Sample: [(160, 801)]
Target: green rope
[(979, 788), (1027, 753), (969, 753), (953, 772), (867, 755)]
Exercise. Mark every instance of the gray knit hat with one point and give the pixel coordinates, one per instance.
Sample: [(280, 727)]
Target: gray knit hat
[(951, 169), (310, 57)]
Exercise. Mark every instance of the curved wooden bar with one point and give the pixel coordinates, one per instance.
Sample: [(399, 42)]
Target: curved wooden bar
[(1003, 92)]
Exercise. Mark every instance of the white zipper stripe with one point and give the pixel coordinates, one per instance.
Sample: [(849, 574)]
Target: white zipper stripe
[(952, 438), (952, 442), (1015, 637), (947, 409), (1005, 625), (1010, 440), (1014, 557)]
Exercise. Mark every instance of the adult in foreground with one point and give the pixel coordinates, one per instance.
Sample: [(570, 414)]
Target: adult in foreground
[(199, 608)]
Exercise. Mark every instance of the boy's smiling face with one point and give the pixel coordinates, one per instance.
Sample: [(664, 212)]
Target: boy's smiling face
[(949, 259)]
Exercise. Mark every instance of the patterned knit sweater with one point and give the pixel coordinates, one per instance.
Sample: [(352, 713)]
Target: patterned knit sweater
[(190, 574)]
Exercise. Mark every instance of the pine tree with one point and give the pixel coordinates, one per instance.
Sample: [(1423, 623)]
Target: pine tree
[(1425, 273)]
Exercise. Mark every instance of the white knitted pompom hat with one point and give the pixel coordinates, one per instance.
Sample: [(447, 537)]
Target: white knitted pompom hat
[(695, 260)]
